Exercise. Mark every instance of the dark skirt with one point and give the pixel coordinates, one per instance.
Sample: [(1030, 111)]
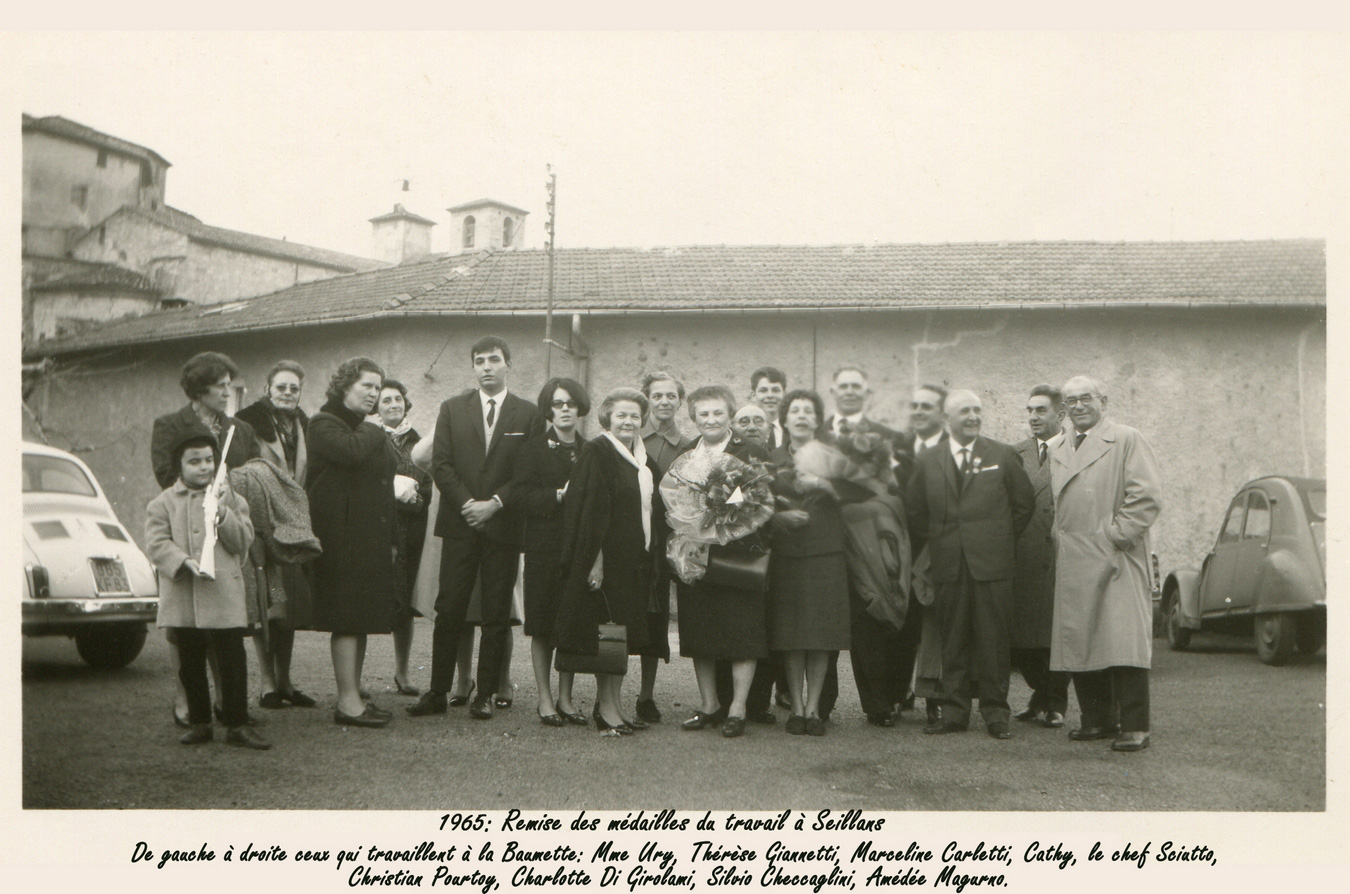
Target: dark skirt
[(808, 602), (543, 587), (722, 623), (297, 612)]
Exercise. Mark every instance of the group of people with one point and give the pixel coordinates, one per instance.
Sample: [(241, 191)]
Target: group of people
[(938, 558)]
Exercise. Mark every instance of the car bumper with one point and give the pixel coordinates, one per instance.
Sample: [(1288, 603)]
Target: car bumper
[(57, 616)]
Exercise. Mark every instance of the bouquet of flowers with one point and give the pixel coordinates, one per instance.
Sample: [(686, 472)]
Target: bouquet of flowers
[(868, 449), (712, 500)]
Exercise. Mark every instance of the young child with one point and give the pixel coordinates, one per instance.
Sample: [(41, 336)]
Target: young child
[(203, 612)]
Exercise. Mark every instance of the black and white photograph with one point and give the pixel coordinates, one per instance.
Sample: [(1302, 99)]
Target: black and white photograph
[(895, 458)]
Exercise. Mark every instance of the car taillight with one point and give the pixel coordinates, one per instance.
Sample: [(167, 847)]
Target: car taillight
[(42, 585)]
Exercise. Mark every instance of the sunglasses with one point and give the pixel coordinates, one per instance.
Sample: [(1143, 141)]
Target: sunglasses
[(564, 404), (288, 389)]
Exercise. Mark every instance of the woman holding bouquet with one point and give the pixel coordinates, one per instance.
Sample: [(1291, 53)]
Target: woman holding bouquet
[(611, 536), (717, 622), (808, 573)]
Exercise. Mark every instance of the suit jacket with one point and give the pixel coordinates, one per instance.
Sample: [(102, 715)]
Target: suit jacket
[(169, 428), (978, 521), (1108, 493), (466, 468), (1034, 584)]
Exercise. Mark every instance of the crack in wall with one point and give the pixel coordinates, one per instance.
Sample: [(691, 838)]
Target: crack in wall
[(927, 345)]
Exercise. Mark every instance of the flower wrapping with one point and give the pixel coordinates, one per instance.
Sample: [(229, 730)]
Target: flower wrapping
[(711, 500)]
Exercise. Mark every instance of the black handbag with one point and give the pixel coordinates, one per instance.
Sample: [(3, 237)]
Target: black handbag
[(611, 656), (738, 567)]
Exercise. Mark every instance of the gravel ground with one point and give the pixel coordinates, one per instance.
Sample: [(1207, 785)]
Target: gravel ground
[(105, 739)]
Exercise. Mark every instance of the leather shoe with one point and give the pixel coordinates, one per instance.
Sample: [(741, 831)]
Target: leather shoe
[(244, 737), (459, 701), (796, 725), (551, 719), (406, 688), (941, 729), (815, 726), (884, 720), (734, 726), (1053, 719), (1027, 716), (931, 709), (576, 718), (646, 710), (1133, 741), (604, 725), (766, 717), (378, 711), (272, 700), (998, 730), (197, 734), (636, 725), (1093, 733), (365, 719), (299, 699), (481, 709), (431, 702), (701, 719)]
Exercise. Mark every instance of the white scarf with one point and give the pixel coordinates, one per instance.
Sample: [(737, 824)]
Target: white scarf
[(403, 428), (638, 457)]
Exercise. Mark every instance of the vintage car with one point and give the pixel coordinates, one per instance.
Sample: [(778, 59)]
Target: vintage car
[(1267, 571), (83, 575)]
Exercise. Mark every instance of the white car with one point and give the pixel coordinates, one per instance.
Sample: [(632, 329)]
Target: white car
[(84, 577)]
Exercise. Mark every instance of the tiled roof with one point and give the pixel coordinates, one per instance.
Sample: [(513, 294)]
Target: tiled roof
[(73, 130), (772, 278), (193, 228), (91, 274), (465, 206)]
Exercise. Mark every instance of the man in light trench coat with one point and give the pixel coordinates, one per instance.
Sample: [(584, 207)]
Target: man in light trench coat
[(1107, 488)]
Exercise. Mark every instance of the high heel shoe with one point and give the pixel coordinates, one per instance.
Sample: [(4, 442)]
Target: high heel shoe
[(576, 718), (406, 688), (551, 719), (459, 701), (701, 719), (602, 724)]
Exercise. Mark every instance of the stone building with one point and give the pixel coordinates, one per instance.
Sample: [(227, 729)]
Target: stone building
[(1216, 351), (486, 225)]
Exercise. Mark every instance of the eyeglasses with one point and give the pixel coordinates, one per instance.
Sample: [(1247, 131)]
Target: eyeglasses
[(1084, 399), (288, 389), (564, 405)]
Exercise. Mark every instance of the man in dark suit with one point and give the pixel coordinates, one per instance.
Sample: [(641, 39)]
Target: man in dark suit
[(768, 384), (479, 434), (925, 432), (876, 649), (969, 503), (1034, 584)]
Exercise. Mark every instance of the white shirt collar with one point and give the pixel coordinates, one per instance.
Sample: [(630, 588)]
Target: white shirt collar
[(484, 397), (956, 448), (840, 419), (921, 443)]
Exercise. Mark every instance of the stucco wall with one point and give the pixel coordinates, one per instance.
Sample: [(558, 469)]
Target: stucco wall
[(1223, 395), (53, 311), (53, 166)]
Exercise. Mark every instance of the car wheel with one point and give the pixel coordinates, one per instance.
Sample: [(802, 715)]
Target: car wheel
[(1275, 634), (111, 646), (1178, 637), (1312, 633)]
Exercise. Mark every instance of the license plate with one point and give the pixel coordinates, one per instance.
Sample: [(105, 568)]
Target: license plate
[(110, 576)]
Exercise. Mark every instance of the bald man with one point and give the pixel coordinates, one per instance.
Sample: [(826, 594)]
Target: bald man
[(969, 501)]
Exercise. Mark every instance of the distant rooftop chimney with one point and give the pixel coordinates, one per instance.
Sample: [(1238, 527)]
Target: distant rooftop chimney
[(401, 235), (484, 224)]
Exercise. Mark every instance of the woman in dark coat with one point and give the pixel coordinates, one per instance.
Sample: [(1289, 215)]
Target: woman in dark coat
[(543, 471), (207, 380), (611, 538), (280, 425), (351, 503), (808, 572), (721, 623), (412, 495)]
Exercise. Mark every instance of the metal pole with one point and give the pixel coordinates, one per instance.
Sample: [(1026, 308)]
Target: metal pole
[(552, 187)]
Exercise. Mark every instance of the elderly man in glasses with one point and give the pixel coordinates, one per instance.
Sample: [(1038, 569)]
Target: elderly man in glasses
[(1107, 495)]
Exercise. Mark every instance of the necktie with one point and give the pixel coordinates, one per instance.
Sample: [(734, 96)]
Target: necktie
[(965, 467), (1044, 451), (492, 412), (1078, 440)]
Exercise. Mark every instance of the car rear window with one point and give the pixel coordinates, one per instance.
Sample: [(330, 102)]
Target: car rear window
[(1317, 502), (54, 475)]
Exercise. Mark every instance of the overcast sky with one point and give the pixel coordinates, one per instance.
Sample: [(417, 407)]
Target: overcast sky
[(736, 139)]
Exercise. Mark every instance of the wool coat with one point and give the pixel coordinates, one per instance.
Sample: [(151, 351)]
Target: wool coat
[(170, 428), (351, 505), (174, 528), (1034, 582), (1107, 496)]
